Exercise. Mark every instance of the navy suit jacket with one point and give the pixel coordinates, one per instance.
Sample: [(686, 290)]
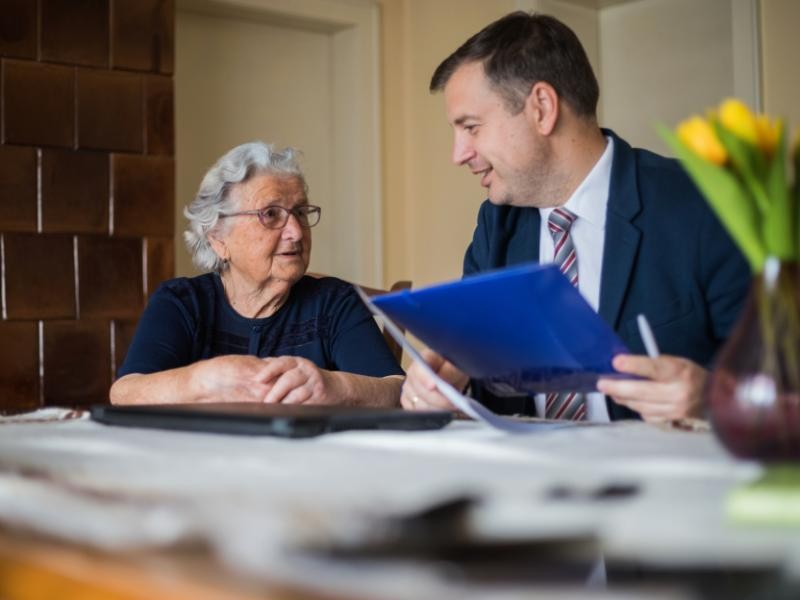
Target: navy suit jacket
[(666, 255)]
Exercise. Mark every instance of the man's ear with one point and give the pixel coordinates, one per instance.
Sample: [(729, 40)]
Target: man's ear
[(542, 107)]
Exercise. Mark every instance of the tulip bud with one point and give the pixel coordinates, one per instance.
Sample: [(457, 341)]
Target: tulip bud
[(699, 136), (737, 118), (768, 133)]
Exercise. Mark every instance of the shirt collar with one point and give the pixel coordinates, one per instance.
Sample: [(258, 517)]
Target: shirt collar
[(590, 199)]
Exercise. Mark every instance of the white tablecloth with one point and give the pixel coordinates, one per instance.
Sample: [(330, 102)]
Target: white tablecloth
[(254, 499)]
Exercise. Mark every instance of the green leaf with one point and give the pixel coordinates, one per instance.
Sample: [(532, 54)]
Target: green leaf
[(780, 231), (749, 163), (732, 204), (796, 196)]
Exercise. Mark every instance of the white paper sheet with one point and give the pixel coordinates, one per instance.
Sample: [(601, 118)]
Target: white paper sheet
[(469, 406)]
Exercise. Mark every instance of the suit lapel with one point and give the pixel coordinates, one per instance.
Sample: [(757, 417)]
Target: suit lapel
[(622, 237), (536, 219)]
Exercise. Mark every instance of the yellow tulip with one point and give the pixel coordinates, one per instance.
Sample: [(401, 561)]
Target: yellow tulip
[(768, 132), (699, 136), (737, 118)]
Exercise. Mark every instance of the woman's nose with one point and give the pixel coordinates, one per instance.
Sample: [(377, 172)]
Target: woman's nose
[(293, 230)]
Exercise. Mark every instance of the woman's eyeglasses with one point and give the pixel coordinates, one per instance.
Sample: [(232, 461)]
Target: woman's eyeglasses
[(276, 217)]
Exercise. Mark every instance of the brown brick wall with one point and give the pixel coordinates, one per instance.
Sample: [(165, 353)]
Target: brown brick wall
[(87, 184)]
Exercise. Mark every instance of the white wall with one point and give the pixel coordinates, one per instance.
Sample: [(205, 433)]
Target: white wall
[(238, 81), (780, 33), (662, 60)]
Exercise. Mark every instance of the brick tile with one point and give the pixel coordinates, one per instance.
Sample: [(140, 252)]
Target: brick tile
[(19, 357), (75, 191), (160, 117), (17, 188), (75, 32), (110, 110), (123, 335), (77, 362), (142, 35), (110, 271), (160, 254), (18, 28), (144, 195), (40, 277), (39, 104)]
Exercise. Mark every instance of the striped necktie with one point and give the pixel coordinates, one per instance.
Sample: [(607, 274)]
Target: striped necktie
[(564, 405)]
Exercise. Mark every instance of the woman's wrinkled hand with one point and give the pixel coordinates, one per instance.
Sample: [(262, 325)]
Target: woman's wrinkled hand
[(231, 378), (672, 387), (419, 390), (295, 380)]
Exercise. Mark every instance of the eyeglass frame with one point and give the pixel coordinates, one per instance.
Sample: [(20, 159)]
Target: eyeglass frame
[(258, 212)]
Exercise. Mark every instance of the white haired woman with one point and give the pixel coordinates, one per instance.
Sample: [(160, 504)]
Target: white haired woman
[(255, 328)]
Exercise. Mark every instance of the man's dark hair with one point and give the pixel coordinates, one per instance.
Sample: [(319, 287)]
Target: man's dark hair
[(522, 49)]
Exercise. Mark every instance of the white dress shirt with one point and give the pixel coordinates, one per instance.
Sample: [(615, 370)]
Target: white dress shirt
[(588, 234)]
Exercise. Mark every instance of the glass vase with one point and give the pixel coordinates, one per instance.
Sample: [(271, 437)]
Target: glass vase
[(753, 393)]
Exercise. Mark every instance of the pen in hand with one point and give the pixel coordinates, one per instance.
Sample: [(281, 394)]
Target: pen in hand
[(649, 340)]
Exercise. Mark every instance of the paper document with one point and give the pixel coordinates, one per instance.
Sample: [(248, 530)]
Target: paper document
[(469, 406)]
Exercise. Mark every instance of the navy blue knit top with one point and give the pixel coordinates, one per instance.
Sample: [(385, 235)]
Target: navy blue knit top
[(323, 320)]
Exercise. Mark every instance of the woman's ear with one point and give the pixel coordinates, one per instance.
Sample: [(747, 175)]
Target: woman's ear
[(542, 107), (218, 246)]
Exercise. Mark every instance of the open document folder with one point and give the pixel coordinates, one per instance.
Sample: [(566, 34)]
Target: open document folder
[(525, 328)]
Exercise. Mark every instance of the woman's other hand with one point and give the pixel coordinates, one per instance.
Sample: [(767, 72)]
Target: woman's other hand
[(419, 390), (230, 378), (296, 380)]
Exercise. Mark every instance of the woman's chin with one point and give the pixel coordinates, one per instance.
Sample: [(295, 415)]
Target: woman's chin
[(290, 275)]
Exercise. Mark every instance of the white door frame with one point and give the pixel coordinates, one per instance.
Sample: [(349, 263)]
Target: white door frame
[(354, 26)]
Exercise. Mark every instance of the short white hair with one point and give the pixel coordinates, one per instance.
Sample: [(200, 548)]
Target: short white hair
[(213, 198)]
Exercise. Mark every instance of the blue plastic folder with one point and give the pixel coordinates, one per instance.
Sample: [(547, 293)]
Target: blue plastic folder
[(523, 327)]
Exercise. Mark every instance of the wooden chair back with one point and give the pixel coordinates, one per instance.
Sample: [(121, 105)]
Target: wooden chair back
[(396, 348)]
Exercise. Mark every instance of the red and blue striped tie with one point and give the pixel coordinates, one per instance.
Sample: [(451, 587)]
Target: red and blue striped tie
[(564, 405)]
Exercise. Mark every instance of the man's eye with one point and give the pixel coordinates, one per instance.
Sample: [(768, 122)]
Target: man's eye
[(271, 213)]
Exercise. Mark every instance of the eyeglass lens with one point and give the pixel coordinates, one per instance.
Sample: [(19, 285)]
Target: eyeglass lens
[(275, 217)]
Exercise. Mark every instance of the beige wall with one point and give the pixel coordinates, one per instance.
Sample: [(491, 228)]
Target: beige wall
[(430, 205), (780, 22), (662, 60), (293, 72), (220, 104)]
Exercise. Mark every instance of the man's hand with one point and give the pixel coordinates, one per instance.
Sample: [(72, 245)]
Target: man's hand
[(419, 389), (674, 389)]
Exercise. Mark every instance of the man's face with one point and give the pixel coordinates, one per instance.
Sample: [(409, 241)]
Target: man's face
[(503, 149)]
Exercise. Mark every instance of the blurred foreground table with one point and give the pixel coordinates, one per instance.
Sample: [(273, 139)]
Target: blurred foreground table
[(94, 511)]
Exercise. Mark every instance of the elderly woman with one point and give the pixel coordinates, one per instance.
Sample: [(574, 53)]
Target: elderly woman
[(256, 329)]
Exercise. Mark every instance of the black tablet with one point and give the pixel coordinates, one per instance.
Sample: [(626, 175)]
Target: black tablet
[(267, 419)]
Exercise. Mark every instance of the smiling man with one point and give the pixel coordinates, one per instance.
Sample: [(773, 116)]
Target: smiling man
[(626, 226)]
